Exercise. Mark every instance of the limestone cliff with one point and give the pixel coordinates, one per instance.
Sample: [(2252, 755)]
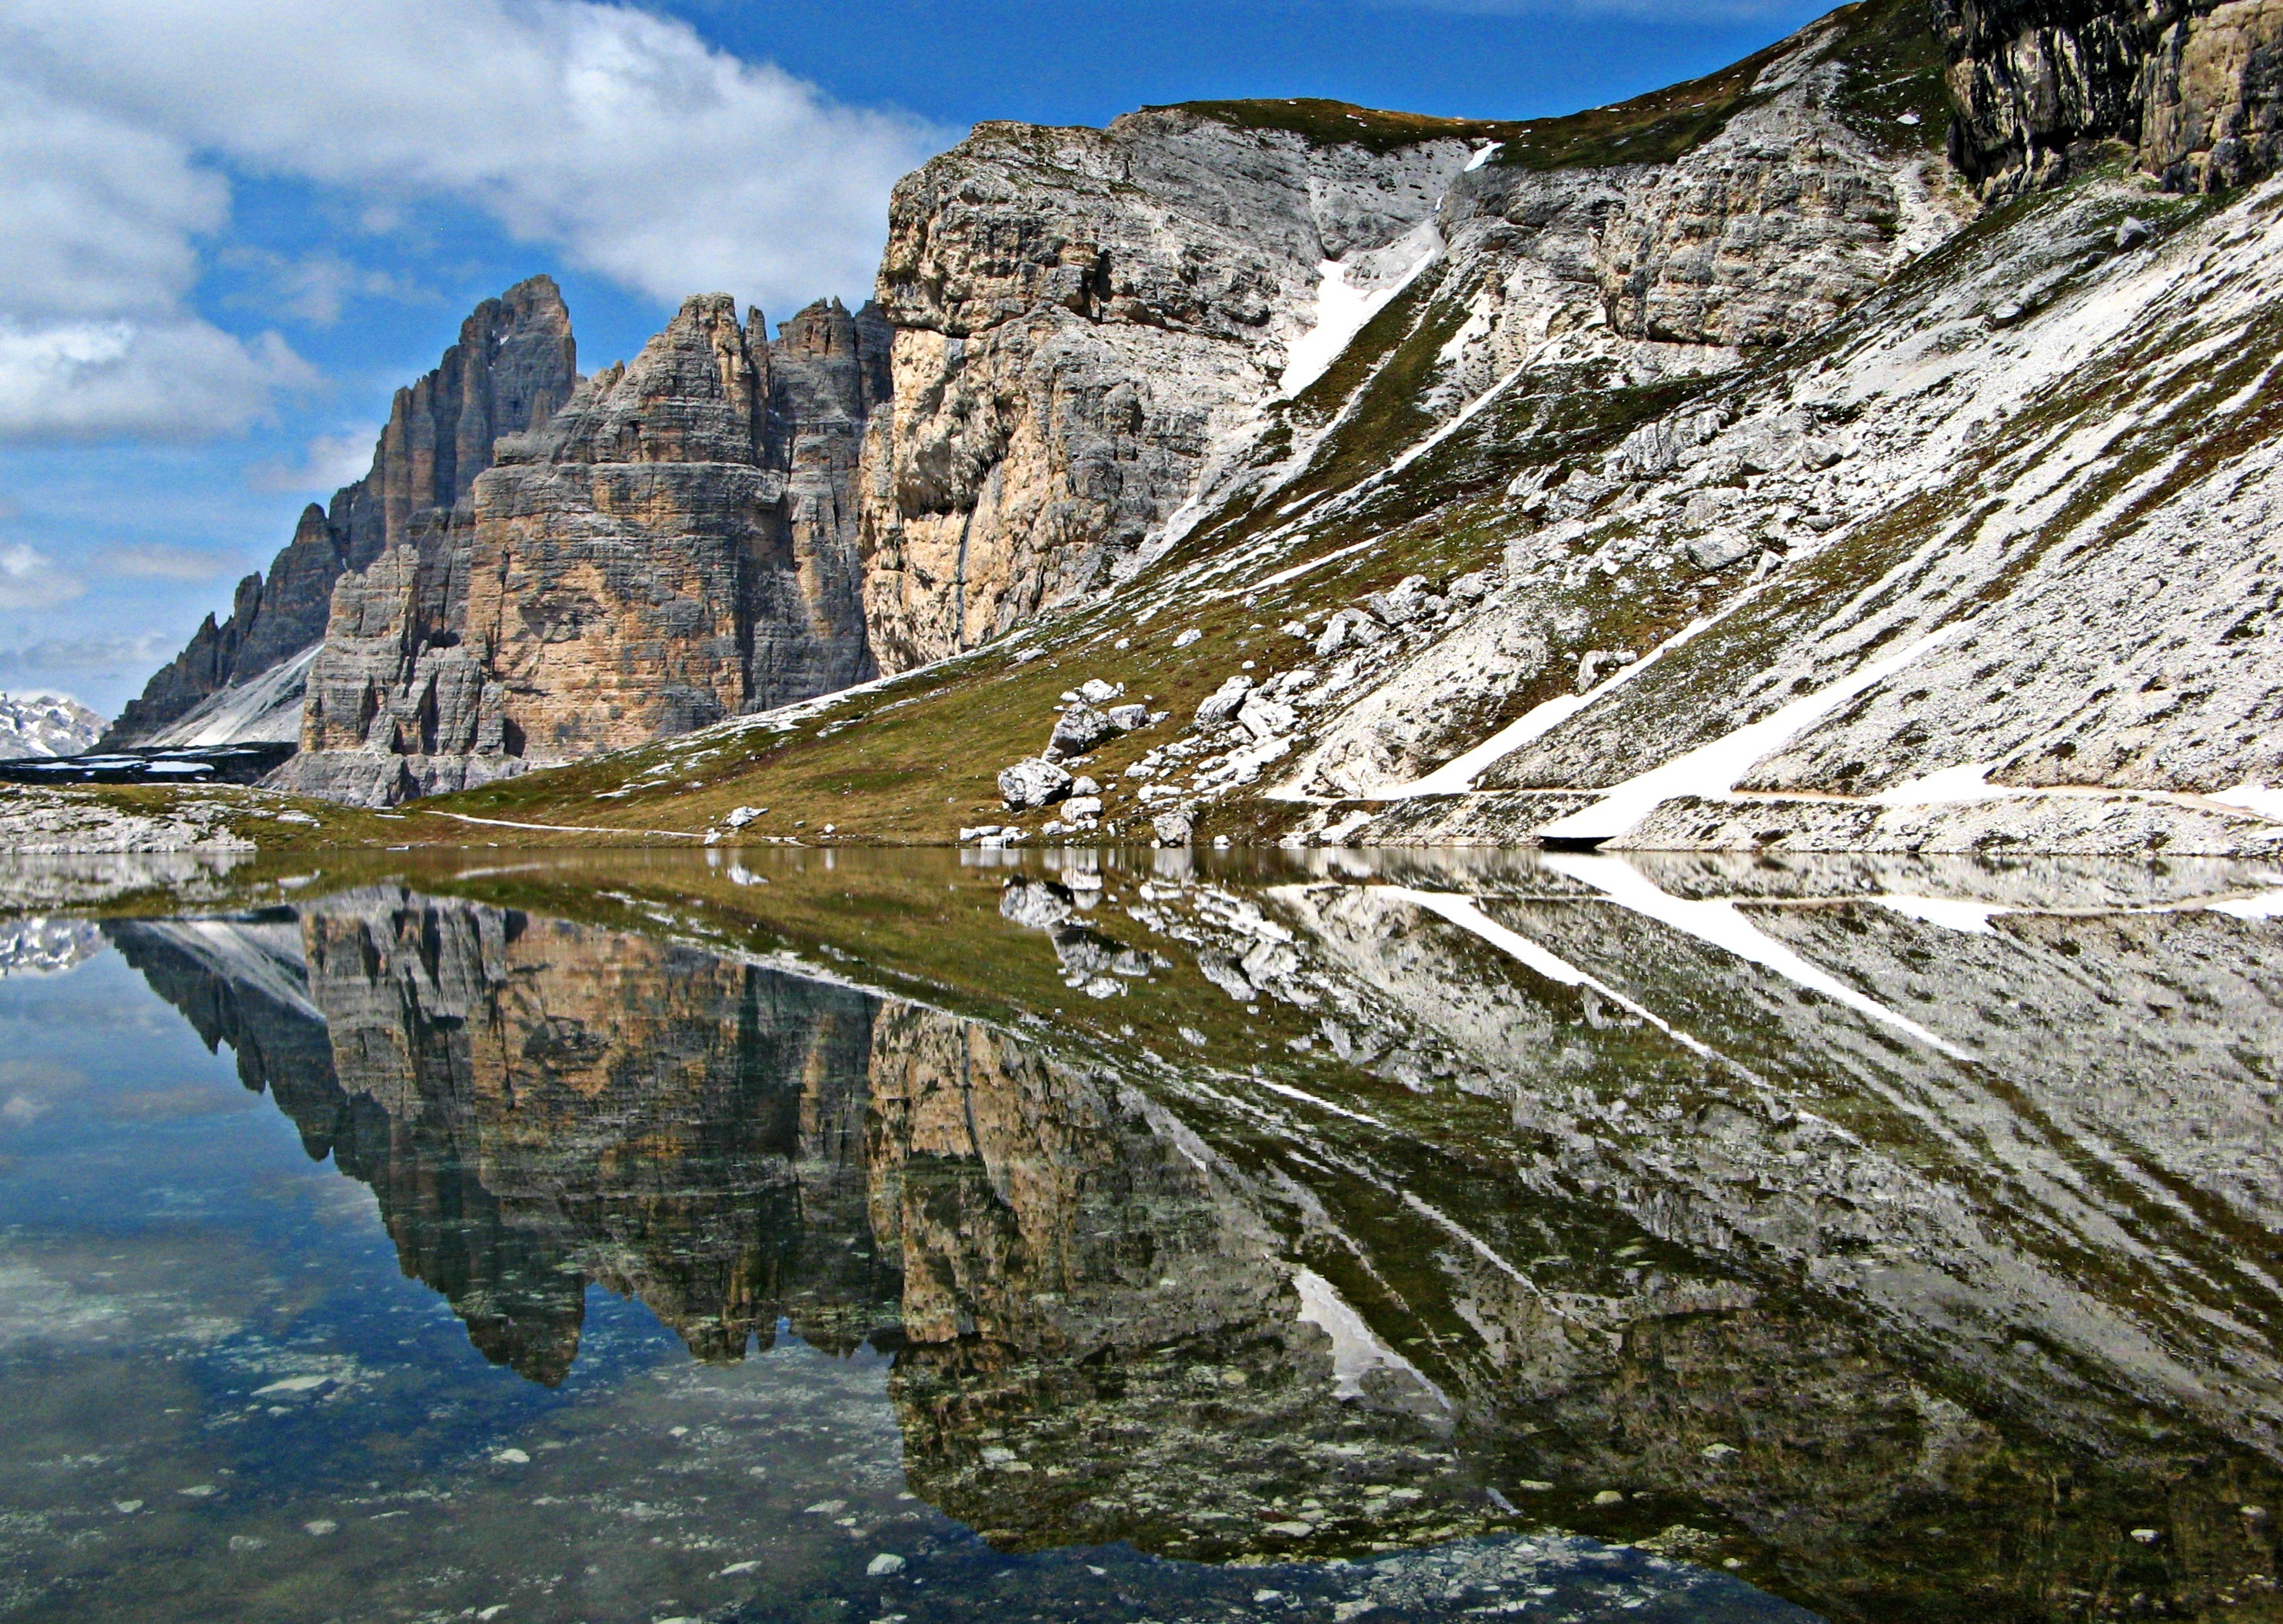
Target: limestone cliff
[(1099, 332), (515, 362), (2194, 90), (677, 545)]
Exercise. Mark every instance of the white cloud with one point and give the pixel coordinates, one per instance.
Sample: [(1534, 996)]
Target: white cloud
[(29, 579), (331, 462), (618, 137), (103, 656), (98, 218), (313, 287), (174, 376), (158, 561)]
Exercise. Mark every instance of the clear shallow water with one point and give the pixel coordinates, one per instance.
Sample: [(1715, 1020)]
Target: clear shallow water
[(786, 1237)]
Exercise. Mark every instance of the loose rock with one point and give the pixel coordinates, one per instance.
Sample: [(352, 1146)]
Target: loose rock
[(1032, 783)]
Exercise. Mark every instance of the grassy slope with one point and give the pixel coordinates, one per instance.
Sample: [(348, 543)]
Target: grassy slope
[(1894, 60)]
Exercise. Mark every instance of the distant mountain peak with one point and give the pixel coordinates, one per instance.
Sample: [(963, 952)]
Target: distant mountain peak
[(46, 724)]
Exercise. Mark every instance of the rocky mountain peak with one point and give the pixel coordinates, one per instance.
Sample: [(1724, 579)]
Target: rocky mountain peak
[(43, 724), (675, 545), (514, 363)]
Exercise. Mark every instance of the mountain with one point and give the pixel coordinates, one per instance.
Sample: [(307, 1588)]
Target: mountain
[(677, 545), (41, 724), (1772, 462), (1865, 445), (515, 362)]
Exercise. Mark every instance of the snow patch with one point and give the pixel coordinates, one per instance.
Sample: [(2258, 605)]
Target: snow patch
[(1712, 770), (1353, 292), (2253, 796)]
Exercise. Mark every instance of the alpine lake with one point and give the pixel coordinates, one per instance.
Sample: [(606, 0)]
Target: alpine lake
[(893, 1237)]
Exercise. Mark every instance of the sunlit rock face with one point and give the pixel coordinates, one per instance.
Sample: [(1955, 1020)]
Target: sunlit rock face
[(677, 545), (1104, 335), (515, 362)]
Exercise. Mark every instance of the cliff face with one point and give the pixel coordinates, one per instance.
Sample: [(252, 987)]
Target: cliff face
[(2192, 89), (1100, 332), (515, 362), (679, 544), (1080, 316)]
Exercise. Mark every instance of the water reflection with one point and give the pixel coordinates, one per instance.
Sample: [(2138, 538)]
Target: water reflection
[(1904, 1238)]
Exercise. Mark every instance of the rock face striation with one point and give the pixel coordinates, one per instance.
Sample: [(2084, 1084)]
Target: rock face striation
[(515, 362), (2195, 89), (679, 544)]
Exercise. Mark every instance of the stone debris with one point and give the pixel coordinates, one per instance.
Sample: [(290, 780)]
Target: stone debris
[(1078, 730), (1033, 783), (1221, 706)]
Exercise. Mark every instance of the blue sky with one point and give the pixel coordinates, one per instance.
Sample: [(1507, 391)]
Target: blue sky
[(232, 231)]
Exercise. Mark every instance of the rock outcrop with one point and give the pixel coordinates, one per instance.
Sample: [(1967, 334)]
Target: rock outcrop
[(2195, 89), (1097, 330), (515, 362), (679, 544)]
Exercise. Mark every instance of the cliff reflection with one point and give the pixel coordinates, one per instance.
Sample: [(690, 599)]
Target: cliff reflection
[(1618, 1237), (538, 1106)]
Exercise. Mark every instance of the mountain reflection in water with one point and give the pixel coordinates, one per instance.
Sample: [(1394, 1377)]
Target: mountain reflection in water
[(1908, 1242)]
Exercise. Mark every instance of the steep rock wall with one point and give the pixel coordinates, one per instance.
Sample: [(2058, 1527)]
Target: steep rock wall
[(2196, 90), (515, 362), (1079, 314), (678, 545), (1094, 327)]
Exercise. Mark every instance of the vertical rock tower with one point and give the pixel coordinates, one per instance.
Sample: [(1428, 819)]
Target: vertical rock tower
[(515, 362), (677, 545)]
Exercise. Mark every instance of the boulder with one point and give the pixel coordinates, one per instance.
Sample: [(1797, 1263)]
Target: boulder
[(1173, 828), (1401, 604), (1126, 718), (1265, 718), (1222, 704), (1718, 551), (1032, 783), (1349, 626), (1080, 730), (1093, 690)]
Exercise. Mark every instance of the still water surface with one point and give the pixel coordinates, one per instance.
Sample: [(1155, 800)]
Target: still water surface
[(907, 1237)]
